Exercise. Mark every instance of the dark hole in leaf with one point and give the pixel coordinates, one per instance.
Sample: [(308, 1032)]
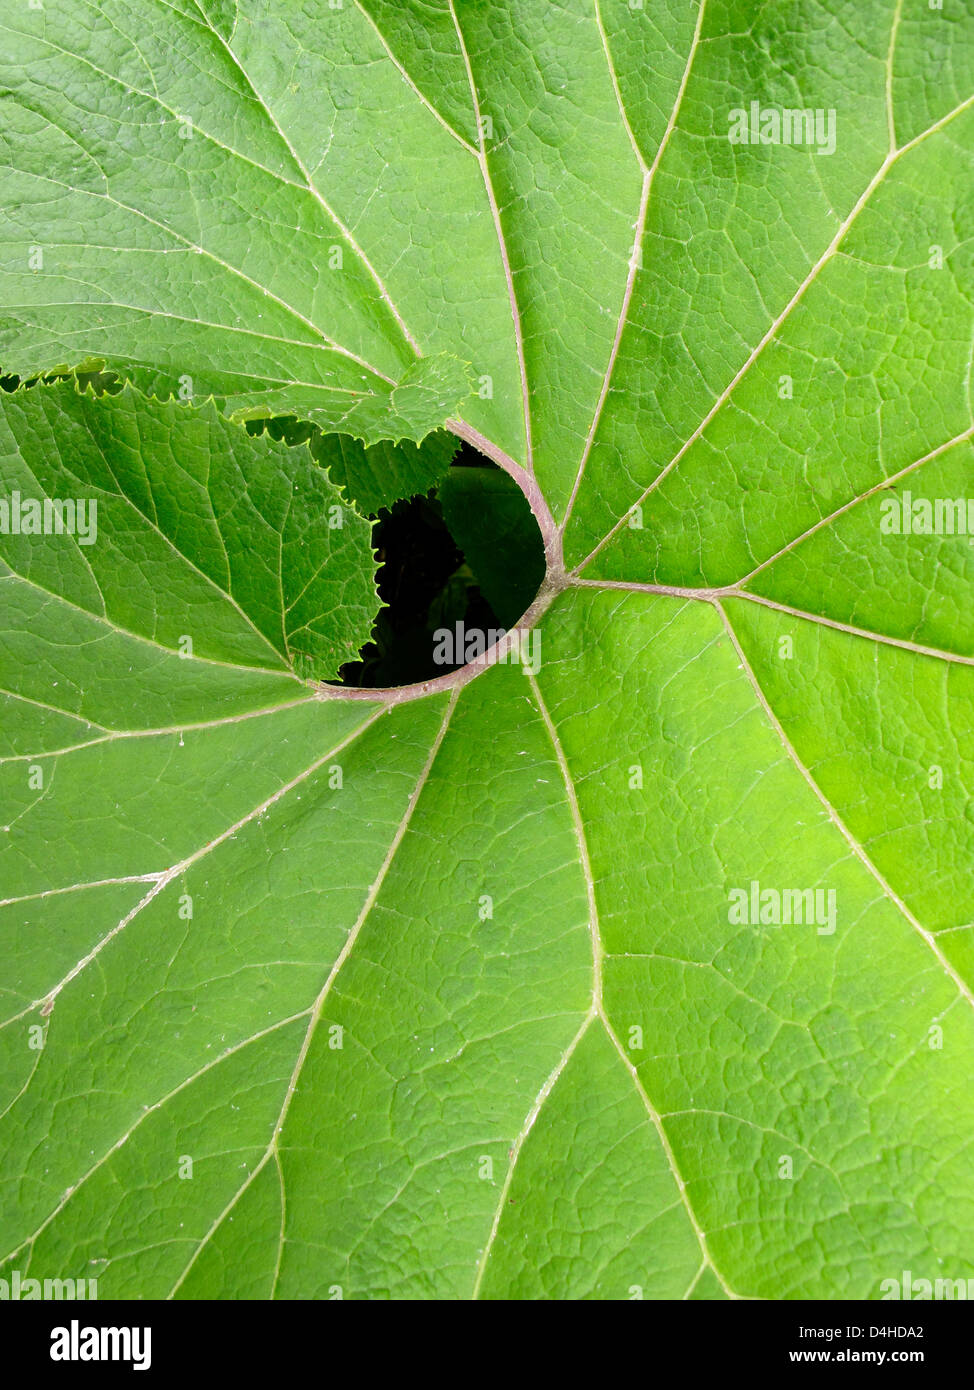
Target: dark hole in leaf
[(469, 552)]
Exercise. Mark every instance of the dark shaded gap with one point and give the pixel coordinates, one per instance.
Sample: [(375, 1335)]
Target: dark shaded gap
[(430, 585)]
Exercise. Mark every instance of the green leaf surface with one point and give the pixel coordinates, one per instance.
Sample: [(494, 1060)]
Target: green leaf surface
[(377, 476), (643, 970), (201, 541)]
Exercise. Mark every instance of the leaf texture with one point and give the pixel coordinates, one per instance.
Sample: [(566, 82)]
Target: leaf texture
[(440, 993)]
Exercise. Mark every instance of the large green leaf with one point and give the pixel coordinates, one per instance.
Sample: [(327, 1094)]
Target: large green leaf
[(200, 540), (456, 990)]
